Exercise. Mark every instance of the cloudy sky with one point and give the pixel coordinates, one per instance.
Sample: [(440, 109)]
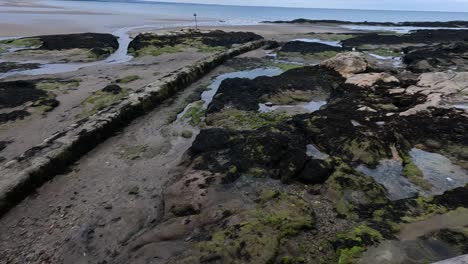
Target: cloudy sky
[(434, 5)]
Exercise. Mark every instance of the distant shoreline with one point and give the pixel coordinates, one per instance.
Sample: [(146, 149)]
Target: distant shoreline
[(41, 17)]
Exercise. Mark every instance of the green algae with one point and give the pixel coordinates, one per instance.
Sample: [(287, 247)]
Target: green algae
[(359, 238), (325, 54), (128, 79), (257, 237), (23, 42), (366, 151), (134, 152), (187, 134), (154, 50), (286, 66), (100, 100), (195, 113), (287, 97), (245, 120), (51, 85), (345, 183), (414, 174)]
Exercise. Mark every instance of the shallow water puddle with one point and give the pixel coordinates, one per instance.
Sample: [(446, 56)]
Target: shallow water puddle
[(207, 96), (389, 173), (309, 107), (395, 61), (463, 106), (412, 251), (413, 247), (439, 171), (450, 220), (326, 42), (314, 152)]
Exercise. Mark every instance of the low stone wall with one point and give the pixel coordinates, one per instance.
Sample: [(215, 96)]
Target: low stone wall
[(25, 173)]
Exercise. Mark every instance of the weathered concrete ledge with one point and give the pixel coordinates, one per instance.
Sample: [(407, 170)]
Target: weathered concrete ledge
[(25, 173)]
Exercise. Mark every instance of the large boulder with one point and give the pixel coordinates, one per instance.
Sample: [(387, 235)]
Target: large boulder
[(370, 79), (347, 63)]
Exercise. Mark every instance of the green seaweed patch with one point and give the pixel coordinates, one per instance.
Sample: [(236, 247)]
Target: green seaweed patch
[(187, 134), (100, 100), (154, 50), (245, 120), (23, 42), (286, 66), (52, 85), (350, 245), (128, 79), (350, 190), (414, 174), (423, 208), (367, 151), (255, 236), (325, 54), (287, 97), (133, 152), (195, 113)]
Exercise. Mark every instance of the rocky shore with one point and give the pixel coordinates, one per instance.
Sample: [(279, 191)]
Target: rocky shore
[(447, 24), (327, 148)]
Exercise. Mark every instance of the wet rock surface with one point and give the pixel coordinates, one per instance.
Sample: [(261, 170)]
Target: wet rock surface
[(307, 47), (245, 94), (454, 24), (437, 57), (16, 93), (12, 66), (416, 37), (78, 41), (215, 38)]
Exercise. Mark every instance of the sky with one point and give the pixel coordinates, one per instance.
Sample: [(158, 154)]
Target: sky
[(423, 5)]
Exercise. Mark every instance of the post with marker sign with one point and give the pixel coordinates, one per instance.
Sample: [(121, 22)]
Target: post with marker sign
[(196, 23)]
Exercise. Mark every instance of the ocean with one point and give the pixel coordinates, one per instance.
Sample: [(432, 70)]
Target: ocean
[(251, 15)]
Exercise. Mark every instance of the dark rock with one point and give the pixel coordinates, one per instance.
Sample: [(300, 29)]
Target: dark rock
[(112, 88), (78, 41), (14, 66), (416, 37), (4, 144), (12, 116), (215, 38), (453, 199), (184, 210), (50, 104), (134, 190), (101, 52), (16, 93), (316, 172), (308, 47), (449, 24), (258, 153), (246, 94), (437, 57), (271, 44)]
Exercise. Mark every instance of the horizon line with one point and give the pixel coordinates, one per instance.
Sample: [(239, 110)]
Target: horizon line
[(260, 6)]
